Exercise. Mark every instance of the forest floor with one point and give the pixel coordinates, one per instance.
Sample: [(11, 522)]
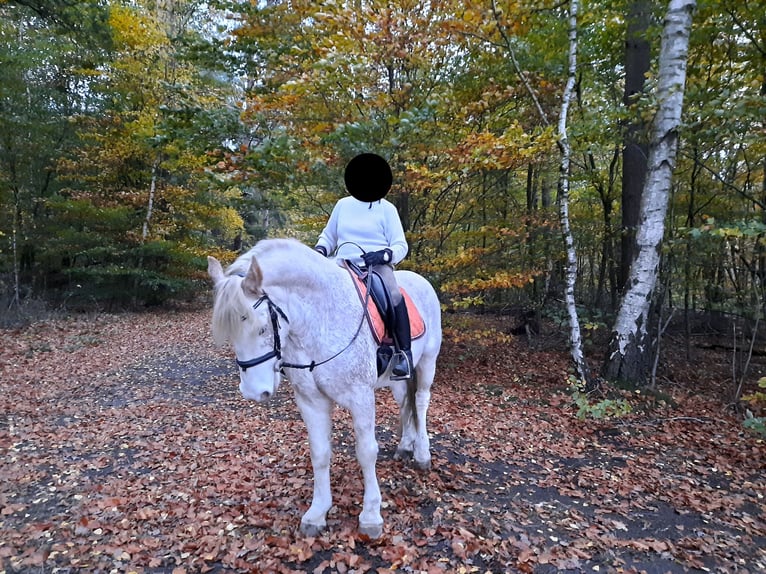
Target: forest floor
[(126, 447)]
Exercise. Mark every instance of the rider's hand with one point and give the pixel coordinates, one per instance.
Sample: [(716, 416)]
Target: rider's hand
[(377, 257)]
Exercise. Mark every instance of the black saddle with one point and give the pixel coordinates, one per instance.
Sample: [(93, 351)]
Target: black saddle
[(378, 292)]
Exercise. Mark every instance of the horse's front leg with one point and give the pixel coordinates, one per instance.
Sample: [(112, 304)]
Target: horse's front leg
[(316, 410), (363, 413)]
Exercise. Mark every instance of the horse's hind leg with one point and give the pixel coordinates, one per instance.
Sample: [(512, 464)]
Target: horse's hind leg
[(405, 398), (316, 411), (426, 369)]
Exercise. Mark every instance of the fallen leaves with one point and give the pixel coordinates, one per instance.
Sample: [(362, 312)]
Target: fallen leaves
[(127, 447)]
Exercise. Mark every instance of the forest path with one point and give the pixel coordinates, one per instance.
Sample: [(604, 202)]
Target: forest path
[(126, 447)]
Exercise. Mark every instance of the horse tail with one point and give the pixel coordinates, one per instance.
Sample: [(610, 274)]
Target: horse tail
[(410, 406)]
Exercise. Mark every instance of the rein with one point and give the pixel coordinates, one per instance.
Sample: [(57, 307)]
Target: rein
[(274, 313)]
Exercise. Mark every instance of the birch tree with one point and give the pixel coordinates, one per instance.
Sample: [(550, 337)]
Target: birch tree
[(629, 353), (575, 336), (634, 152)]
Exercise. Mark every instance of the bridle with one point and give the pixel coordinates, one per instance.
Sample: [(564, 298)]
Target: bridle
[(275, 312)]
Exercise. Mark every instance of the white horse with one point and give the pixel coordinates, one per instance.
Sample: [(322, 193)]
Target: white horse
[(284, 307)]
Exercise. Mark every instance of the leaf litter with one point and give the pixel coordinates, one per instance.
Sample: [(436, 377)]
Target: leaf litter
[(127, 448)]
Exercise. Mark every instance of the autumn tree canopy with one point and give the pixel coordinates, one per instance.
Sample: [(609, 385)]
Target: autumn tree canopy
[(138, 137)]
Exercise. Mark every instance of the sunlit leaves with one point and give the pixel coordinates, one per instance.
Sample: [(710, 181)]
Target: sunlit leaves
[(135, 31), (509, 150)]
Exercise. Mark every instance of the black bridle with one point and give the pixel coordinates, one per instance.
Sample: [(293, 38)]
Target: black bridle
[(275, 312)]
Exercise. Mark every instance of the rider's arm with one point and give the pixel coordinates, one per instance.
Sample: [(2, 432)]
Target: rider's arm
[(328, 239), (397, 242)]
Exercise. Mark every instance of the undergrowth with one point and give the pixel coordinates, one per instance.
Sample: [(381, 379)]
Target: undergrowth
[(756, 400), (590, 405)]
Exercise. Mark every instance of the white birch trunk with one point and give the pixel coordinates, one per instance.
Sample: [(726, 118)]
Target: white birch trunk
[(630, 346), (150, 205), (16, 299), (575, 336)]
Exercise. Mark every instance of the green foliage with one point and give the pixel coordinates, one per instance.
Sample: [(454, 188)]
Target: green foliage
[(758, 396), (239, 118), (756, 424), (141, 276), (726, 257), (757, 400), (595, 409), (106, 155)]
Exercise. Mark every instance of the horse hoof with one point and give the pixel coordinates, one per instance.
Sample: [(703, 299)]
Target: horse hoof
[(402, 454), (423, 464), (311, 529), (373, 531)]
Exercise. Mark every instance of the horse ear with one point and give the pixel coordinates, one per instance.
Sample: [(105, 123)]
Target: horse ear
[(253, 280), (214, 269)]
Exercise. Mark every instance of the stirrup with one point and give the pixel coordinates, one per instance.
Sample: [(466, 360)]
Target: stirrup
[(401, 376)]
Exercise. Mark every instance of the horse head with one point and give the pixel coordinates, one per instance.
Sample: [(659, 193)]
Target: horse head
[(244, 315)]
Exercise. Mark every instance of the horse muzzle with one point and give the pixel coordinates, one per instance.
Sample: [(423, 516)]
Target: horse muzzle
[(259, 389), (259, 393)]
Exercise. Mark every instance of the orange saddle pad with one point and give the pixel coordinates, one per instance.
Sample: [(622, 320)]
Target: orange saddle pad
[(377, 323)]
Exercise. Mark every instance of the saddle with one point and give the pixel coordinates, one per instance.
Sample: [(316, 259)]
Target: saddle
[(379, 310)]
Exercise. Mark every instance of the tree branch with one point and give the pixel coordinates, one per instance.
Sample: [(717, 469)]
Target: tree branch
[(516, 66)]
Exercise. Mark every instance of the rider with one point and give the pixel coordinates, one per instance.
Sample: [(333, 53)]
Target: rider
[(367, 222)]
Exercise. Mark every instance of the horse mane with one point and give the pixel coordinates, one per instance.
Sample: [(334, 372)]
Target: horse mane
[(229, 308), (283, 262)]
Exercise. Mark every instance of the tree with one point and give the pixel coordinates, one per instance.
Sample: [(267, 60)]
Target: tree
[(575, 337), (48, 50), (146, 206), (634, 150), (412, 81), (631, 343), (109, 119)]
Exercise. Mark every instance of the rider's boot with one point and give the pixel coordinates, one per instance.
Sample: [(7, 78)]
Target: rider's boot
[(402, 368)]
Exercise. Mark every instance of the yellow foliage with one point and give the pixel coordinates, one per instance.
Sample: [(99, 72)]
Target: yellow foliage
[(499, 280), (508, 150), (231, 222), (134, 30)]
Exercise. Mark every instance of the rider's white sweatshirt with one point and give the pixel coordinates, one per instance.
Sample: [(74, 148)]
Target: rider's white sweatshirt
[(371, 226)]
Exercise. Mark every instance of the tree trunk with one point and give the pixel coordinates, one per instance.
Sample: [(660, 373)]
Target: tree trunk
[(634, 151), (629, 348), (531, 188), (16, 298), (575, 337), (150, 204), (760, 244)]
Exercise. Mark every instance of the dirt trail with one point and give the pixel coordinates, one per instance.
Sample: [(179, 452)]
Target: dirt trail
[(126, 447)]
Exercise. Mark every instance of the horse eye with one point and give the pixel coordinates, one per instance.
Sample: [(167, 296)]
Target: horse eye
[(262, 331)]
